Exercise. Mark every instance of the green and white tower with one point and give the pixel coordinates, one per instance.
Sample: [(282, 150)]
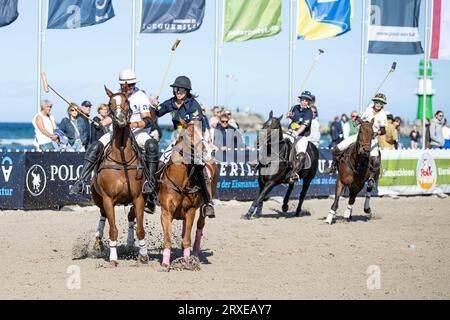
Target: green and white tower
[(429, 93)]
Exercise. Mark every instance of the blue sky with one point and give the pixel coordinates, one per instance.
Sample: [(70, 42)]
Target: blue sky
[(79, 62)]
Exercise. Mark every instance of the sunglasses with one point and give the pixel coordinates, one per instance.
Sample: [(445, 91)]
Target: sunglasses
[(224, 121), (179, 90), (73, 110)]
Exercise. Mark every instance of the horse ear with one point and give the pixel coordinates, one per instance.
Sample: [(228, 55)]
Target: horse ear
[(271, 114), (280, 118), (108, 92)]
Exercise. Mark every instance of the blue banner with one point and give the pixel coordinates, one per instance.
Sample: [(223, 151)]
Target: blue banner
[(393, 27), (72, 14), (8, 12), (172, 16), (12, 173)]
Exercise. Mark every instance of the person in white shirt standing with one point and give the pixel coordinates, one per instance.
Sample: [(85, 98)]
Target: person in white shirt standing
[(144, 129), (44, 127), (314, 137), (376, 113)]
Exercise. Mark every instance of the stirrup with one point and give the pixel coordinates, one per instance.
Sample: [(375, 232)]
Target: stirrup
[(371, 182), (207, 210), (147, 189), (150, 205)]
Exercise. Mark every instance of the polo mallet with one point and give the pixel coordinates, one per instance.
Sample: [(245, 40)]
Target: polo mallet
[(47, 86), (172, 54), (308, 74), (394, 65)]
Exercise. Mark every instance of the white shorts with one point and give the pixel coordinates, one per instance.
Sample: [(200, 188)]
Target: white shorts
[(347, 142), (141, 137)]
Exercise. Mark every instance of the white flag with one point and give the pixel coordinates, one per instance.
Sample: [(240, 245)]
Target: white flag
[(440, 33)]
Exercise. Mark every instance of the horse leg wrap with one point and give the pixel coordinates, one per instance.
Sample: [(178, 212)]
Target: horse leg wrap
[(187, 252), (331, 216), (198, 240), (130, 237), (348, 212), (113, 251), (143, 248), (101, 227), (166, 257), (367, 201)]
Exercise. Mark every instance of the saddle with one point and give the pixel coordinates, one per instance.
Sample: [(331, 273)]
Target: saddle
[(293, 157)]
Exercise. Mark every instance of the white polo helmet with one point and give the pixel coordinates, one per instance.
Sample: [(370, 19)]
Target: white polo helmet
[(127, 75)]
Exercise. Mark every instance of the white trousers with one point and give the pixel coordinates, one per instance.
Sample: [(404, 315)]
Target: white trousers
[(141, 137), (343, 145), (301, 145)]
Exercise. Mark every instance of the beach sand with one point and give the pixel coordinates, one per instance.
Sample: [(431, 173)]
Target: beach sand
[(278, 256)]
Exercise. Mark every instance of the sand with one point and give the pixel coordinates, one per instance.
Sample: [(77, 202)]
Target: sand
[(402, 253)]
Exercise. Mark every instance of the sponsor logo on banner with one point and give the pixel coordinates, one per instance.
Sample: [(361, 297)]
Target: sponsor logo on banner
[(426, 171), (36, 180), (7, 167)]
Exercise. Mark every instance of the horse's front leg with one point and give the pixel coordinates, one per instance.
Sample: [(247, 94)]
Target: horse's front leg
[(189, 218), (367, 202), (351, 202), (113, 232), (285, 205), (140, 232), (259, 199), (332, 213), (305, 188), (166, 222)]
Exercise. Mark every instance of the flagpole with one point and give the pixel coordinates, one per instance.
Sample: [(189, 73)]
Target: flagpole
[(291, 56), (133, 35), (425, 76), (216, 54), (363, 55), (39, 62)]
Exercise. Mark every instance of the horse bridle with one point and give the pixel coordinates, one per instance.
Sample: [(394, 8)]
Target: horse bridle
[(112, 113)]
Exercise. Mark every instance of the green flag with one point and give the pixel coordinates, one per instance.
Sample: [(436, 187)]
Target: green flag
[(251, 19)]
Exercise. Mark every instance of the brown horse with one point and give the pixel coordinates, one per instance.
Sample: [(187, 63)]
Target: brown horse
[(120, 177), (178, 194), (354, 171)]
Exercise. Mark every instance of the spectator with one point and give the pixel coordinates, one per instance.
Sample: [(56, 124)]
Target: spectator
[(231, 122), (98, 132), (415, 136), (446, 135), (436, 139), (314, 136), (345, 126), (44, 127), (335, 132), (69, 126), (84, 125), (427, 134), (352, 128), (225, 136), (397, 124), (387, 141), (215, 119)]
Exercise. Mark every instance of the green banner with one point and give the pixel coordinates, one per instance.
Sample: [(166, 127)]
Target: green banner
[(251, 19), (443, 171), (398, 172)]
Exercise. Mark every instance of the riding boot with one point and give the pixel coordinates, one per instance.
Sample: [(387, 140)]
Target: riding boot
[(336, 156), (374, 166), (93, 154), (205, 187), (298, 164), (151, 162)]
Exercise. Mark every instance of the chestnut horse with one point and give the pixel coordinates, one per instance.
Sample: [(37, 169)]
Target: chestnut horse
[(354, 171), (120, 177), (178, 194)]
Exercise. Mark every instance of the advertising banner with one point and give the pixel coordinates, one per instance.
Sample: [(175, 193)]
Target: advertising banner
[(11, 180)]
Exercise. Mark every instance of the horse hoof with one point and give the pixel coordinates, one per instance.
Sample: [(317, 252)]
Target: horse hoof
[(142, 259), (285, 208), (113, 264), (367, 210), (347, 214), (258, 214), (164, 268), (298, 213), (247, 216)]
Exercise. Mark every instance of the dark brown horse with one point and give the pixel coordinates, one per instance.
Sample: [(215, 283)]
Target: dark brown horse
[(178, 194), (120, 177), (354, 171)]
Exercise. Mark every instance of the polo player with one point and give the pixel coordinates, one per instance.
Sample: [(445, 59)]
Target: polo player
[(298, 131), (377, 113), (143, 128)]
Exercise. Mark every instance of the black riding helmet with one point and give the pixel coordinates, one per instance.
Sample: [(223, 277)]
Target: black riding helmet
[(182, 82)]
